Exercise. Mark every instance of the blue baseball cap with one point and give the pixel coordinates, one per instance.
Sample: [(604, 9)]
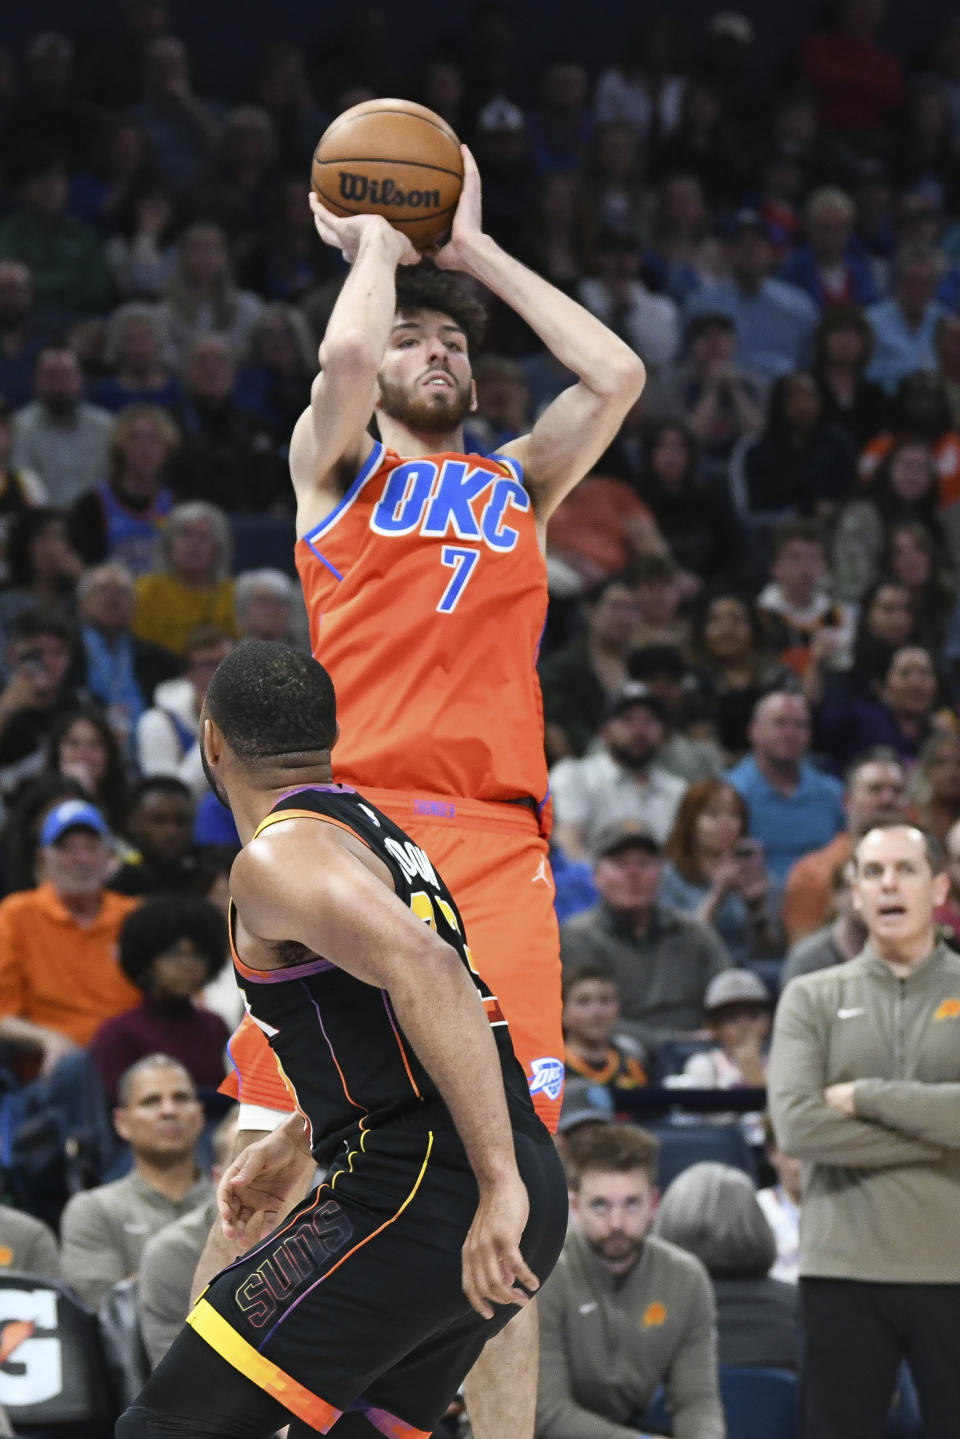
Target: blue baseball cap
[(72, 814)]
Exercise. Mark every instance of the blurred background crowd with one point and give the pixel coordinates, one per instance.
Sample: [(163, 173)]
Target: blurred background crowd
[(754, 637)]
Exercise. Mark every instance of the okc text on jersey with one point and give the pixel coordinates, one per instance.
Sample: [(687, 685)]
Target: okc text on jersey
[(460, 497)]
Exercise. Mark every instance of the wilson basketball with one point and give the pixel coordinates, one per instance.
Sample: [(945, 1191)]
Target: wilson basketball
[(391, 158)]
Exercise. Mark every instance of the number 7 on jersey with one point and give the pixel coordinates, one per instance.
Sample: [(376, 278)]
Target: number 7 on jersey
[(463, 563)]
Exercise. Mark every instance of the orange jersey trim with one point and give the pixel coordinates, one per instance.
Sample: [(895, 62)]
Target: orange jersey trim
[(232, 1347)]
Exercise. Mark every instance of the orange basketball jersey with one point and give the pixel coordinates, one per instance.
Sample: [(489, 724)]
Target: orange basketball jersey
[(427, 596)]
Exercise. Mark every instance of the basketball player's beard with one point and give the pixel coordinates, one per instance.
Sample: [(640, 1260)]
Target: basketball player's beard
[(435, 412)]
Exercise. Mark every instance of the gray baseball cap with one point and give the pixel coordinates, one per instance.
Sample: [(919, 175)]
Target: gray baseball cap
[(736, 986), (584, 1103)]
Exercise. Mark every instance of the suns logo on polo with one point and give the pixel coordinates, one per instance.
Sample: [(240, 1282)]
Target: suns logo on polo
[(654, 1315), (947, 1009)]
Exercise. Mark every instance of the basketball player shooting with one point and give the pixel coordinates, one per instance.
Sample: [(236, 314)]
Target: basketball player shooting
[(425, 582)]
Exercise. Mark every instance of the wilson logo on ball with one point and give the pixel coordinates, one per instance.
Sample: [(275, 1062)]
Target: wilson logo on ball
[(361, 189)]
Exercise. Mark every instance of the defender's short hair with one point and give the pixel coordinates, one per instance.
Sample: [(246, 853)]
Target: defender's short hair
[(424, 287), (612, 1149), (270, 700)]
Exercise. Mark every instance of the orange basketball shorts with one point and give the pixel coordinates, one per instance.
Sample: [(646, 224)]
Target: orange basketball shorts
[(495, 863)]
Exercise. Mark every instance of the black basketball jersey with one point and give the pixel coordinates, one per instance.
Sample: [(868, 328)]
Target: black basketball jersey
[(337, 1039)]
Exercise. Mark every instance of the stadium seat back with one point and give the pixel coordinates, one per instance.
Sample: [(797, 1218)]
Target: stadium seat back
[(123, 1346), (758, 1403), (684, 1144)]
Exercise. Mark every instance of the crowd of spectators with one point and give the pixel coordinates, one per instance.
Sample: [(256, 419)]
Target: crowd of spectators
[(753, 646)]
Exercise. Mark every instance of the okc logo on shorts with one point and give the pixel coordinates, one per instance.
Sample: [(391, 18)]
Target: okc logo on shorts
[(547, 1077)]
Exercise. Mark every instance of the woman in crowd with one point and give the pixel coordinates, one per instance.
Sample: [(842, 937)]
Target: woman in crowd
[(20, 489), (280, 370), (106, 193), (693, 514), (903, 491), (236, 192), (885, 622), (935, 785), (925, 149), (81, 746), (711, 1210), (191, 585), (122, 519), (719, 401), (644, 87), (614, 177), (683, 256), (558, 242), (843, 344), (702, 146), (170, 948), (133, 349), (800, 464), (901, 714), (731, 652), (920, 412), (201, 297), (268, 605), (915, 559), (43, 567), (717, 874)]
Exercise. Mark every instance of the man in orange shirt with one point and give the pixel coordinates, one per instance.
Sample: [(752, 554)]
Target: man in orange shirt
[(875, 785), (59, 976)]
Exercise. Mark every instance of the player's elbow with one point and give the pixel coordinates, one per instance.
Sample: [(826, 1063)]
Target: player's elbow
[(624, 379)]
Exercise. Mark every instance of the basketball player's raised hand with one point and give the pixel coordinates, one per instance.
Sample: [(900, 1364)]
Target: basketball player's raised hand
[(344, 233), (493, 1267), (467, 221)]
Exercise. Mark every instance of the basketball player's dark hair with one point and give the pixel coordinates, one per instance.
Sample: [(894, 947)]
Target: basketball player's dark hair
[(424, 287), (272, 702)]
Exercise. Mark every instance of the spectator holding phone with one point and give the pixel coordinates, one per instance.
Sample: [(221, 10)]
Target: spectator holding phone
[(717, 874), (35, 696)]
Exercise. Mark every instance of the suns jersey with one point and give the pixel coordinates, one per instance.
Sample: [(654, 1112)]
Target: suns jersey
[(426, 591), (337, 1040)]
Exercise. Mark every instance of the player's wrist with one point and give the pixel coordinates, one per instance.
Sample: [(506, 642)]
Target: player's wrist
[(379, 235), (475, 252)]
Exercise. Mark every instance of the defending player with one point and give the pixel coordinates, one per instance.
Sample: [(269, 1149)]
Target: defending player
[(445, 1203), (425, 581)]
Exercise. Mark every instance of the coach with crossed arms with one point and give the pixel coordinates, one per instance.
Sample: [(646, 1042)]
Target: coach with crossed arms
[(864, 1086)]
